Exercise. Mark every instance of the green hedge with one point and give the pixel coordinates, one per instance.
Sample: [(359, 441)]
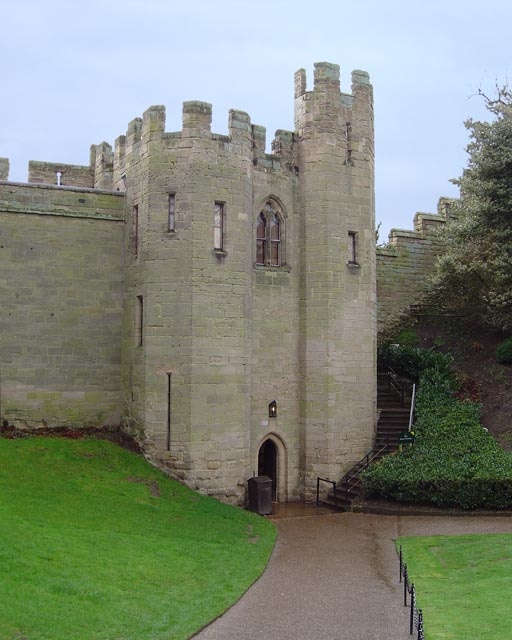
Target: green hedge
[(410, 362), (504, 351), (454, 462)]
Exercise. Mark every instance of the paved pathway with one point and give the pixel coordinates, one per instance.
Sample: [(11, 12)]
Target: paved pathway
[(335, 577)]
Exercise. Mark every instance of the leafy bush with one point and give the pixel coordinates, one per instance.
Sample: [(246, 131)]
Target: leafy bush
[(504, 351), (412, 361), (408, 338), (454, 462)]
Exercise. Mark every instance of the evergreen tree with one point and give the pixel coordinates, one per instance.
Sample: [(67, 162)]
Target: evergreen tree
[(474, 275)]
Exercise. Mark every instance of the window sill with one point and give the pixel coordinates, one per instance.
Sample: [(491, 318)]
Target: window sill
[(264, 267), (220, 253), (353, 265)]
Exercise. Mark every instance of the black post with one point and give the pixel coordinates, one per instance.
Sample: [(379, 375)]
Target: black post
[(413, 607), (421, 635), (318, 491), (406, 584)]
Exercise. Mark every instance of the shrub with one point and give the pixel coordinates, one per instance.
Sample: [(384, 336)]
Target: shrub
[(504, 352), (412, 361), (454, 462), (408, 338)]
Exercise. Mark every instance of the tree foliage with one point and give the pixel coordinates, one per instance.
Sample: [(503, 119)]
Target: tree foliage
[(474, 276)]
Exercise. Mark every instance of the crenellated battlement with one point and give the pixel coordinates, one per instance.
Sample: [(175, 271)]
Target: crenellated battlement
[(327, 110), (244, 138), (407, 260), (218, 279)]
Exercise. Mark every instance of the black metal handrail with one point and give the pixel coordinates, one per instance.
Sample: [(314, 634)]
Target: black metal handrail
[(333, 482), (354, 472), (416, 615)]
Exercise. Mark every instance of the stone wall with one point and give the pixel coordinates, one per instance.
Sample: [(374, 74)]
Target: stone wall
[(407, 260), (228, 335), (61, 265), (203, 338), (60, 174), (336, 192), (4, 168)]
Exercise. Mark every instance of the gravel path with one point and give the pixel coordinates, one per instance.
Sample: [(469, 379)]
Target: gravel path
[(335, 576)]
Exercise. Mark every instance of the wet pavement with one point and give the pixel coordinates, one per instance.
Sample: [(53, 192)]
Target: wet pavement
[(334, 577)]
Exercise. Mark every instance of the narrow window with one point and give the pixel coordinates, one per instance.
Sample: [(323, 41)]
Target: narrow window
[(135, 230), (139, 323), (218, 226), (261, 239), (172, 212), (348, 140), (352, 243), (169, 410), (275, 241)]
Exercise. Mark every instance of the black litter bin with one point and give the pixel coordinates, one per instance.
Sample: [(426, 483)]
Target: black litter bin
[(260, 495)]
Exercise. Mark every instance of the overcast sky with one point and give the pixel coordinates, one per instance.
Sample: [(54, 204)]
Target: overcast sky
[(75, 73)]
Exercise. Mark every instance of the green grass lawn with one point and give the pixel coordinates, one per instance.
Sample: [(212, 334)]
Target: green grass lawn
[(463, 584), (97, 544)]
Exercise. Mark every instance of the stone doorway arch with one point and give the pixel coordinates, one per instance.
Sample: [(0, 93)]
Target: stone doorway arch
[(272, 463)]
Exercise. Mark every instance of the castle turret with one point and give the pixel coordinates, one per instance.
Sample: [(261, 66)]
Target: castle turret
[(336, 200)]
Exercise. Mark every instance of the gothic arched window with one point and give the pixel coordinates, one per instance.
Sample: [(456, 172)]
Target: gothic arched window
[(269, 236), (261, 240)]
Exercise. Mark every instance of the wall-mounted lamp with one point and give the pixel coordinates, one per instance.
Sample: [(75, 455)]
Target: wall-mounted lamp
[(272, 409)]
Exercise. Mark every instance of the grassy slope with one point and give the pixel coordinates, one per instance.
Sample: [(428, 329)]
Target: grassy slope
[(462, 584), (97, 544)]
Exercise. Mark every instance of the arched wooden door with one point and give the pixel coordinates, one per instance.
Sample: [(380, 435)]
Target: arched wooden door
[(267, 464)]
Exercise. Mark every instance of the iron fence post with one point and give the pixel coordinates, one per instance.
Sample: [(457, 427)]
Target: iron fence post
[(421, 635), (413, 607)]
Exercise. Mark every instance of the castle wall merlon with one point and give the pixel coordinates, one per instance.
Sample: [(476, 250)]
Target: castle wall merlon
[(102, 163), (119, 163), (446, 208), (259, 138), (4, 168), (239, 126), (197, 119), (327, 77), (133, 134), (153, 123), (360, 78), (282, 144), (300, 83), (428, 222)]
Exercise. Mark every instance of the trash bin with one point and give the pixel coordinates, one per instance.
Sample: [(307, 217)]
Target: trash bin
[(260, 495)]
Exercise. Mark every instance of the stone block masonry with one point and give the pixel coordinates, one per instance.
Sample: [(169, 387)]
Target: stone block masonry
[(407, 260), (218, 300), (61, 280)]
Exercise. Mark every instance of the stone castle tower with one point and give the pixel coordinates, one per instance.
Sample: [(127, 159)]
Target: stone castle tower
[(242, 300)]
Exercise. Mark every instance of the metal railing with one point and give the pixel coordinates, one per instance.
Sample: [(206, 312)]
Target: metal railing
[(351, 478), (396, 384), (413, 403), (333, 482), (416, 614)]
